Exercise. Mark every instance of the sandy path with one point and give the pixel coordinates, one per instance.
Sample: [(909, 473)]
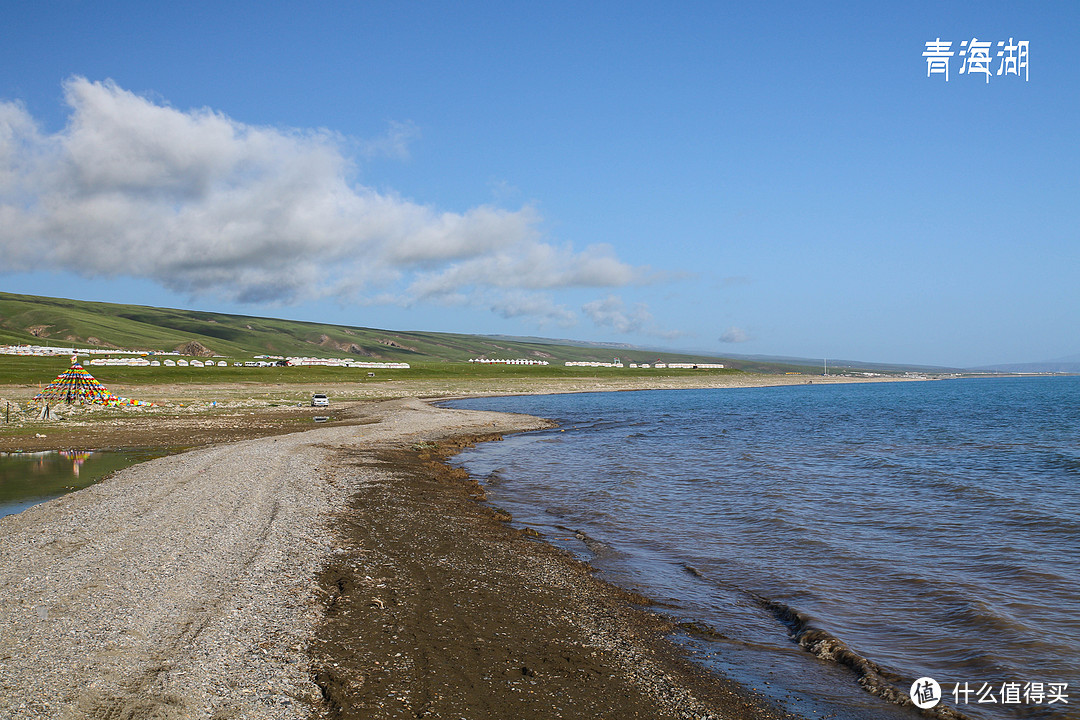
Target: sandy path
[(187, 586)]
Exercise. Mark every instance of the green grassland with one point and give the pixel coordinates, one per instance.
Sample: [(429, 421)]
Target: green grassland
[(16, 370), (34, 320), (27, 319)]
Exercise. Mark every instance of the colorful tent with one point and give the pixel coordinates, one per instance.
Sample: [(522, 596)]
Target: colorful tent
[(77, 385)]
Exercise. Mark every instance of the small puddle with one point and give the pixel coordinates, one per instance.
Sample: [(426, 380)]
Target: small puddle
[(30, 478)]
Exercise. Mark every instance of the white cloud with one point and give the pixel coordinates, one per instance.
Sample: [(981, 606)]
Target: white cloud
[(531, 265), (536, 305), (394, 143), (735, 335), (204, 204), (614, 313)]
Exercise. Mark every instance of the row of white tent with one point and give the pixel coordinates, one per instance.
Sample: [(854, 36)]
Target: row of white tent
[(694, 366), (683, 366), (339, 362), (495, 361), (143, 362), (49, 351)]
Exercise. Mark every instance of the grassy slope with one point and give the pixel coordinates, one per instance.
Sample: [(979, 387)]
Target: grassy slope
[(72, 322), (32, 371)]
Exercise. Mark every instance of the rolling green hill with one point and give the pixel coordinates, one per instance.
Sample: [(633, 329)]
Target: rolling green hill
[(27, 319)]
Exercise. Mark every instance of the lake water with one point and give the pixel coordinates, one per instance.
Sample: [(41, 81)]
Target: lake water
[(29, 478), (820, 541)]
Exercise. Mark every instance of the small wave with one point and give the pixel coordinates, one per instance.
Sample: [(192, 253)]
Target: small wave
[(826, 646), (974, 613), (1048, 525), (701, 630), (1060, 460), (693, 571), (823, 645), (596, 547), (717, 582)]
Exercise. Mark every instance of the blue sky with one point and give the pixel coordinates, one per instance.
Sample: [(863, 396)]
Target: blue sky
[(753, 178)]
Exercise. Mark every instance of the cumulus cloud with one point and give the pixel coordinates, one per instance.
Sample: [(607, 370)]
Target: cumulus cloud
[(204, 204), (735, 335), (614, 313), (533, 266), (543, 308)]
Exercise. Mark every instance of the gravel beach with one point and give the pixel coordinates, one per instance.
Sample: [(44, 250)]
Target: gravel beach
[(340, 572), (187, 586)]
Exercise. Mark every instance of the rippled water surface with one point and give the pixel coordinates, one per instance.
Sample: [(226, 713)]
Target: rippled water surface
[(933, 528)]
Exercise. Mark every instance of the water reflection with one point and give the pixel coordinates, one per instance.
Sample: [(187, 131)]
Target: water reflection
[(77, 459), (29, 478)]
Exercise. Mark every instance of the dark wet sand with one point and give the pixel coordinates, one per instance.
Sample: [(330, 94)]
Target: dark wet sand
[(438, 608)]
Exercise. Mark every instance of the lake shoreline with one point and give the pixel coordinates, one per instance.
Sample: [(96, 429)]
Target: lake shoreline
[(197, 415), (449, 611), (208, 584)]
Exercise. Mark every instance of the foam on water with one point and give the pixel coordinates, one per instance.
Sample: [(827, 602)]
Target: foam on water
[(826, 540)]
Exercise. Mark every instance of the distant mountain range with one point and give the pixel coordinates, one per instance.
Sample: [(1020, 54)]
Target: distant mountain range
[(839, 364), (1070, 364)]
